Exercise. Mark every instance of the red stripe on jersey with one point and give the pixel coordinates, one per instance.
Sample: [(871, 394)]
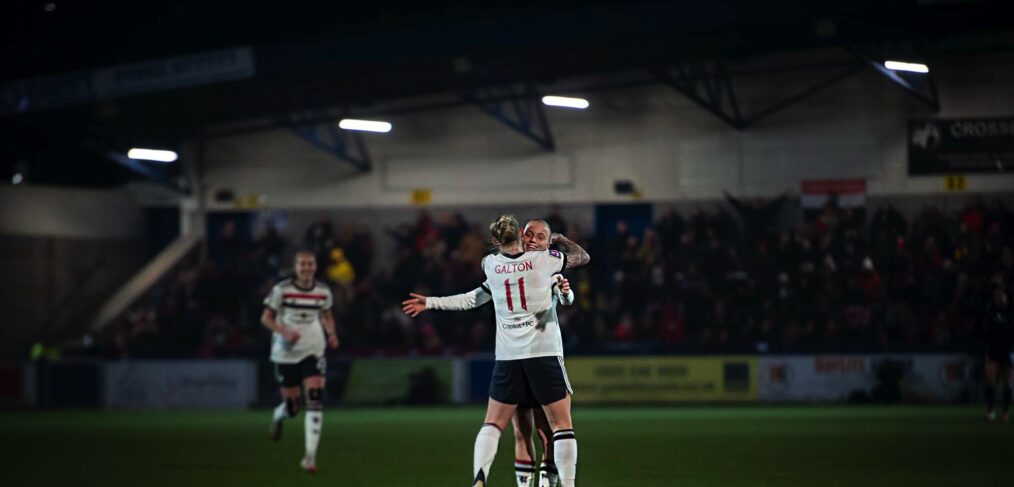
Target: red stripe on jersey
[(303, 296), (507, 287)]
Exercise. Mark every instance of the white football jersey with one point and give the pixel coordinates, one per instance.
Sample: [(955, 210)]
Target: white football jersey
[(298, 309), (522, 290)]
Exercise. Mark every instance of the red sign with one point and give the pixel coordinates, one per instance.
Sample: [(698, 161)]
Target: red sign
[(834, 186)]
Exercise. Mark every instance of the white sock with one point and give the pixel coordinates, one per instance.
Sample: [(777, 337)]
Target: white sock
[(280, 413), (314, 421), (485, 449), (565, 446), (525, 473)]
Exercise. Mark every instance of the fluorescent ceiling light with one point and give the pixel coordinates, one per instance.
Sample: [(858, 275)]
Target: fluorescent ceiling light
[(365, 125), (901, 66), (566, 102), (152, 155)]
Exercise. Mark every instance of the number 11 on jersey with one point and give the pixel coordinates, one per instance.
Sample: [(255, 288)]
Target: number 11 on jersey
[(521, 293)]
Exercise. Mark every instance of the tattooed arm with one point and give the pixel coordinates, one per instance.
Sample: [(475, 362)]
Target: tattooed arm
[(576, 256)]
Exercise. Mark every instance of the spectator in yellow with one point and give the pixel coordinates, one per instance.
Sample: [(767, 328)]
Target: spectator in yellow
[(340, 270)]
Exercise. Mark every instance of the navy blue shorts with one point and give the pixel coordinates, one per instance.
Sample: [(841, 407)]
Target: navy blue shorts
[(292, 375), (530, 382)]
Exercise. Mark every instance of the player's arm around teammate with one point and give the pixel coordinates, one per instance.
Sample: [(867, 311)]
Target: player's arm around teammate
[(576, 255), (417, 303)]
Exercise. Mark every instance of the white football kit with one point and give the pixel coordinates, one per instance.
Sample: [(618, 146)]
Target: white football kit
[(298, 309), (522, 290), (481, 295)]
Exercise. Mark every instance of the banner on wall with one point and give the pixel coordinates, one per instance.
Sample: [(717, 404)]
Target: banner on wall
[(960, 145), (166, 384), (48, 92), (860, 377), (846, 193), (662, 379), (399, 381)]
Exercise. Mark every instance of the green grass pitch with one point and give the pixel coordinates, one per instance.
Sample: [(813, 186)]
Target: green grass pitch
[(682, 446)]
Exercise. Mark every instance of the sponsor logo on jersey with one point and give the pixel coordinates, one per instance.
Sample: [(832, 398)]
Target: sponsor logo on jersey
[(516, 326), (555, 253)]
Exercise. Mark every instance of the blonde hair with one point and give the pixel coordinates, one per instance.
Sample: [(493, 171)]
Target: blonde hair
[(505, 230)]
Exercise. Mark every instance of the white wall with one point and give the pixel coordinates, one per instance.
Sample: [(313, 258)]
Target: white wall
[(652, 135), (46, 211)]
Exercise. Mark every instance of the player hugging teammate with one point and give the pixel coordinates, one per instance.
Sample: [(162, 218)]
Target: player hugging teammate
[(520, 281), (298, 312)]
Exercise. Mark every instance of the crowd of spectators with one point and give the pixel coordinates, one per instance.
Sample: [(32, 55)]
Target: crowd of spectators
[(721, 280), (834, 283)]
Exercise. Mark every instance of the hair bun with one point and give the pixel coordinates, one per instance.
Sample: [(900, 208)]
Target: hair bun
[(505, 230)]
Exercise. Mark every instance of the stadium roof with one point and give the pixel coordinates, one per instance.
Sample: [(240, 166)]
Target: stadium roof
[(63, 63)]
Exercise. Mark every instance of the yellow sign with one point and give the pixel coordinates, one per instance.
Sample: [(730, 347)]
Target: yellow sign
[(421, 196), (954, 183), (662, 379), (250, 201)]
